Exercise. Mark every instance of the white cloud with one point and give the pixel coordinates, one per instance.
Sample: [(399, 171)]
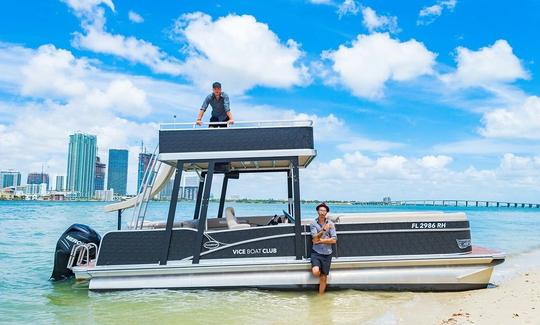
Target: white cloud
[(81, 6), (249, 54), (54, 72), (434, 162), (428, 14), (519, 122), (488, 66), (135, 17), (356, 176), (374, 22), (348, 7), (374, 59), (96, 38)]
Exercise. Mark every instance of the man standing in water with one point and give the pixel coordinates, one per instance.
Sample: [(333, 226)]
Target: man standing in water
[(221, 111), (323, 233)]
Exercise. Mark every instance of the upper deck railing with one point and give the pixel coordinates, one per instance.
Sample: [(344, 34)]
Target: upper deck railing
[(267, 141), (236, 125)]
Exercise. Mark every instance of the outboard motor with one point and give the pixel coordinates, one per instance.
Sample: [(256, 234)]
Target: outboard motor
[(76, 234)]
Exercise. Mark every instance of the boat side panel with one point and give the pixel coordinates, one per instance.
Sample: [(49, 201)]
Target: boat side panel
[(143, 246)]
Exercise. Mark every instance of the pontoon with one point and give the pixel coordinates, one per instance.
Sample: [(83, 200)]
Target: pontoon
[(427, 251)]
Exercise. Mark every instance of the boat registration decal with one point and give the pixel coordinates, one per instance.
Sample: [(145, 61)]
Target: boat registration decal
[(428, 225)]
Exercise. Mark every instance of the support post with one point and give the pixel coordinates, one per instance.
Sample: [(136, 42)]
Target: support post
[(199, 196), (204, 212), (296, 206), (119, 219), (172, 212), (223, 194), (289, 192)]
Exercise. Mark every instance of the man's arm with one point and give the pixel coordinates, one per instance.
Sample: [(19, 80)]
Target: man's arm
[(333, 235), (227, 106), (315, 236), (204, 106)]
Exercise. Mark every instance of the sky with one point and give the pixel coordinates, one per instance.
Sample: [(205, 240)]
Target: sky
[(410, 99)]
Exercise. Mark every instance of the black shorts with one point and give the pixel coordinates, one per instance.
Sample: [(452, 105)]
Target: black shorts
[(322, 261), (221, 125)]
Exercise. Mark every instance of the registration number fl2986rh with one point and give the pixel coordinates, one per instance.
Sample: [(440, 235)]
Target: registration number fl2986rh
[(428, 225)]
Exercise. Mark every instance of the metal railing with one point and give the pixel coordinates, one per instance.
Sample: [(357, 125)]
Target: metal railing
[(145, 191), (83, 251), (236, 125)]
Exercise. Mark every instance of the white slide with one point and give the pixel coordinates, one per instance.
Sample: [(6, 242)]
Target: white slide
[(165, 174)]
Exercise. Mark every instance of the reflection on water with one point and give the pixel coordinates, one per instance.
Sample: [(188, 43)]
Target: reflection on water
[(29, 231)]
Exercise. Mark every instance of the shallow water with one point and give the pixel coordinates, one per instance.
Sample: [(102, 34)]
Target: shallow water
[(29, 231)]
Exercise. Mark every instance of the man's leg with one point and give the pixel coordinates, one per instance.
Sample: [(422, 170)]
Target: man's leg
[(322, 283), (316, 271)]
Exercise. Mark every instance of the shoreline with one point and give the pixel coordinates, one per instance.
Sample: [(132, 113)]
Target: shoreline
[(514, 298)]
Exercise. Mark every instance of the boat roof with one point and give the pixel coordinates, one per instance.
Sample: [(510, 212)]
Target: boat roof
[(247, 146)]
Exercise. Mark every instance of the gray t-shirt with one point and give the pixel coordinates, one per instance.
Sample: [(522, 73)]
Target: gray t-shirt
[(220, 106), (315, 227)]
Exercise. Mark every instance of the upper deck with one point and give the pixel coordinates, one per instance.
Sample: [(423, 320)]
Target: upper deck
[(263, 144)]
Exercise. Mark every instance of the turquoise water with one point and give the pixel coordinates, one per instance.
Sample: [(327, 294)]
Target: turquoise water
[(29, 231)]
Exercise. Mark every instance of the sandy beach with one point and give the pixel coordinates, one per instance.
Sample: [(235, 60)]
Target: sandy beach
[(515, 299)]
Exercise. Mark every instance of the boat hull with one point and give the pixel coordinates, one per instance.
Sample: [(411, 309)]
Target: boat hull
[(426, 273)]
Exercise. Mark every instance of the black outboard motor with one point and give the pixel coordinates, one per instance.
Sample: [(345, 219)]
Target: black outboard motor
[(74, 235)]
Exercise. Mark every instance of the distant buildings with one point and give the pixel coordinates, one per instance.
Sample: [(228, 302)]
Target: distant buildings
[(59, 183), (38, 178), (10, 178), (117, 173), (104, 195), (144, 161), (81, 171), (99, 183), (190, 187), (36, 190)]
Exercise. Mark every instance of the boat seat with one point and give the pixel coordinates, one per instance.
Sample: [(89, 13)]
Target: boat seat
[(232, 222)]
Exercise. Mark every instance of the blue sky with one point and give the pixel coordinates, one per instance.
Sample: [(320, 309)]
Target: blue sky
[(415, 99)]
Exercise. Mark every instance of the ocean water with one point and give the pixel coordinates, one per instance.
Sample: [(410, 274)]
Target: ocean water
[(29, 231)]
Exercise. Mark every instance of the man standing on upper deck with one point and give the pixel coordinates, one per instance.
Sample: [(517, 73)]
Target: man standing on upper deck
[(221, 111), (323, 234)]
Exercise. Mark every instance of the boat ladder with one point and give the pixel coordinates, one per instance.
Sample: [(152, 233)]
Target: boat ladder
[(145, 191), (82, 252)]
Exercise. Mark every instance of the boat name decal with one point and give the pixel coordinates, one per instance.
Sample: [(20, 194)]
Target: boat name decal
[(428, 225), (251, 251), (463, 243)]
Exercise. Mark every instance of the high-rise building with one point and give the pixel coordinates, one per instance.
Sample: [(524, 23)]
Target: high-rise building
[(99, 184), (59, 183), (144, 161), (117, 173), (81, 171), (190, 186), (10, 178), (38, 178)]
